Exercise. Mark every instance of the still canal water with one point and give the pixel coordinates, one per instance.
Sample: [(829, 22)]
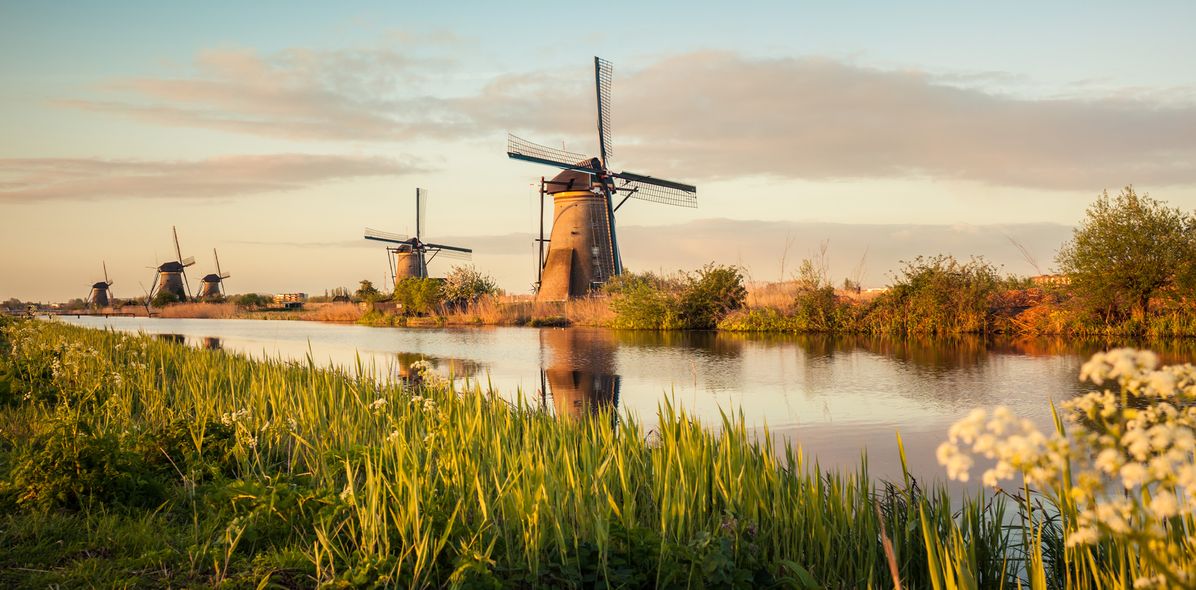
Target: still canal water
[(833, 396)]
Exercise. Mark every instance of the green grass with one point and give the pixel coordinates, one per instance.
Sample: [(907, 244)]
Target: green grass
[(127, 461)]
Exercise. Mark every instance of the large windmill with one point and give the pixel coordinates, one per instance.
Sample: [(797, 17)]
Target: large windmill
[(409, 257), (171, 276), (211, 286), (583, 250), (100, 295)]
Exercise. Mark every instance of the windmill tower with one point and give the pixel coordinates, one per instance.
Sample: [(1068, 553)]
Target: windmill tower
[(171, 276), (211, 286), (583, 250), (100, 295), (409, 257)]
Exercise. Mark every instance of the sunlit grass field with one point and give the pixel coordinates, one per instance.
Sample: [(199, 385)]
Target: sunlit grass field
[(128, 461)]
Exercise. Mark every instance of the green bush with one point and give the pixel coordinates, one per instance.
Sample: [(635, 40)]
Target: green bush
[(418, 296), (642, 302), (465, 284), (937, 295), (164, 298), (252, 300), (692, 301), (709, 295)]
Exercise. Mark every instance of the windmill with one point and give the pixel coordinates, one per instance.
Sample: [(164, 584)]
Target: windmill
[(100, 295), (409, 257), (171, 276), (583, 250), (211, 286)]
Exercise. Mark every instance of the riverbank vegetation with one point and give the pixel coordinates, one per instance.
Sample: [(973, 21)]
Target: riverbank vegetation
[(126, 460), (1128, 271)]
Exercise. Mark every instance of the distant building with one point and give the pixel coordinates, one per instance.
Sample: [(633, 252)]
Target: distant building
[(1051, 280), (282, 298)]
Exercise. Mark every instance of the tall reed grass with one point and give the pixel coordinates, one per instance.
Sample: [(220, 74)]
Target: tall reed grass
[(272, 472)]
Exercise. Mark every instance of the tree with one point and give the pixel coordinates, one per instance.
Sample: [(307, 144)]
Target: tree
[(1127, 250), (252, 300), (367, 291)]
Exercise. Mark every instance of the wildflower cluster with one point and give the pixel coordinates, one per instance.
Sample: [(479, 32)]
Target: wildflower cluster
[(1127, 462), (427, 376)]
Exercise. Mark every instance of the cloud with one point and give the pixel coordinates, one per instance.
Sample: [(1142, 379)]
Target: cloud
[(39, 179), (701, 116), (720, 115), (294, 94)]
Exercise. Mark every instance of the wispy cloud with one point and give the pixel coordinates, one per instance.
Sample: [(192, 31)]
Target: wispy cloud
[(294, 94), (701, 116), (724, 115), (39, 179)]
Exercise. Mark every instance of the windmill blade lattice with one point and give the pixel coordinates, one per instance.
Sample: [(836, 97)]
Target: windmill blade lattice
[(658, 194), (421, 211), (603, 74), (385, 236), (522, 149)]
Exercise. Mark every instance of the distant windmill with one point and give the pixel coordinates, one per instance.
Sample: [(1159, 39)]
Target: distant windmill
[(211, 286), (583, 250), (410, 256), (100, 295), (171, 276)]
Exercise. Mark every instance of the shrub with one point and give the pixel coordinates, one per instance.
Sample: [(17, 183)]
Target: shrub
[(418, 296), (937, 295), (252, 300), (694, 301), (164, 298), (641, 302), (465, 284), (709, 296)]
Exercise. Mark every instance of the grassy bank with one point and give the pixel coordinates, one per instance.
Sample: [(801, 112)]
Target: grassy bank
[(130, 461)]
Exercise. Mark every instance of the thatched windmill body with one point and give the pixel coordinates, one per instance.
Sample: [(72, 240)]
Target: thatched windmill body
[(583, 250), (211, 286), (171, 277), (100, 295), (409, 256)]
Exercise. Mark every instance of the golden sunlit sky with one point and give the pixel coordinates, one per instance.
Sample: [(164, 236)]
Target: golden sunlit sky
[(276, 132)]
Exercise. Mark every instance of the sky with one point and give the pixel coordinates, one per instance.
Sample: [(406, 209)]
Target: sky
[(275, 132)]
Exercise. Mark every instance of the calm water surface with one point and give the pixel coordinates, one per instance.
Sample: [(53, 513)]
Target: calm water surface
[(835, 397)]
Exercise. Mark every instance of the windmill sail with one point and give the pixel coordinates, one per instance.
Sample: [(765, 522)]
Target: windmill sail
[(656, 190), (603, 73), (421, 210), (220, 273), (385, 236), (522, 149)]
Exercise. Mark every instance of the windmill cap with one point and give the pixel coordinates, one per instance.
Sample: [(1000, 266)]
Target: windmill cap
[(212, 278), (170, 267), (100, 285), (569, 180)]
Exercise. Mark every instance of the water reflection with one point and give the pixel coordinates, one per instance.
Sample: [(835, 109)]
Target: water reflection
[(579, 368), (176, 338), (453, 368), (212, 343), (832, 395)]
